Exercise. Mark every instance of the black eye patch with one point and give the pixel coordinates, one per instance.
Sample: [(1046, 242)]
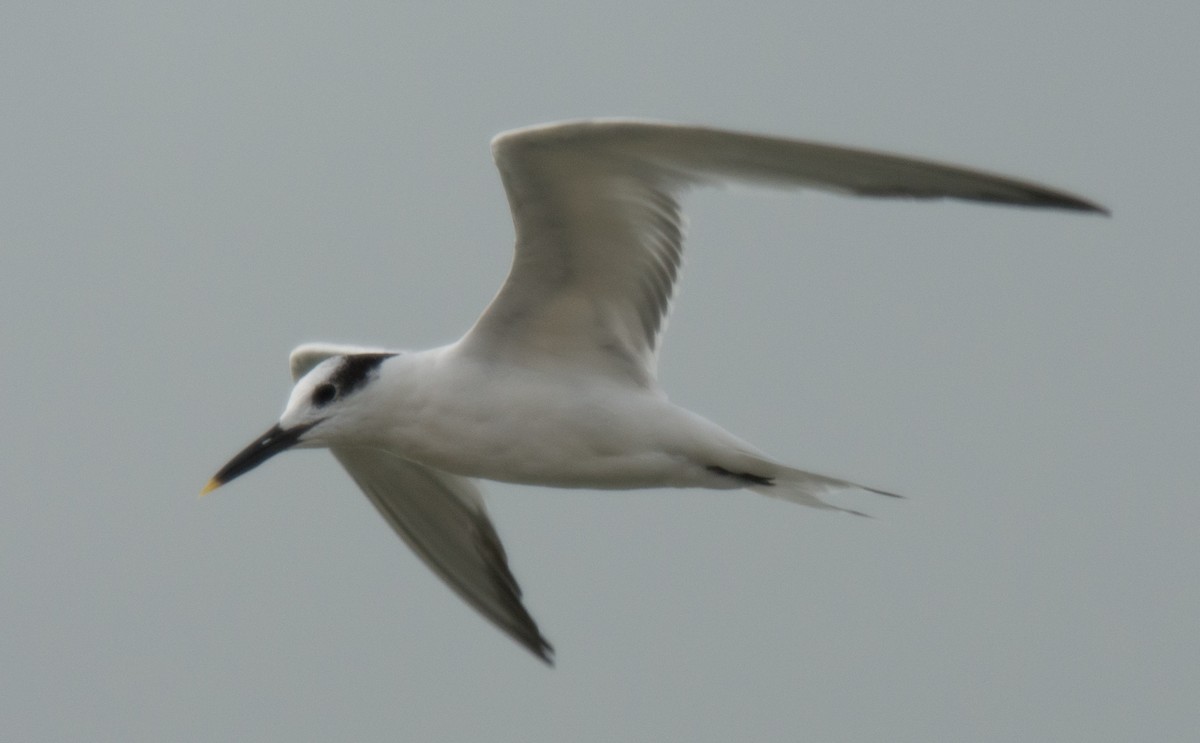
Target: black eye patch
[(323, 394), (354, 371)]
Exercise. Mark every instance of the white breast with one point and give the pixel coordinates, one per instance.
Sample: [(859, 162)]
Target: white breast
[(533, 425)]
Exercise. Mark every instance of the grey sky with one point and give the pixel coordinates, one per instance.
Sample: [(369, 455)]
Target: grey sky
[(189, 190)]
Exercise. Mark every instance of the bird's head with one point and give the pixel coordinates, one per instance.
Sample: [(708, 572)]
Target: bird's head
[(326, 405)]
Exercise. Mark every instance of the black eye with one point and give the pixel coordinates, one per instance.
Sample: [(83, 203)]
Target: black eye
[(324, 394)]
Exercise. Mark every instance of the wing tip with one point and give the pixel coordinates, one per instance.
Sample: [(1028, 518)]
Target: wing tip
[(529, 636), (543, 650), (1069, 202), (880, 492)]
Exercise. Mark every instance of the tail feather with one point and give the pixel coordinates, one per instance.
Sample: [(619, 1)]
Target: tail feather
[(809, 488), (757, 472)]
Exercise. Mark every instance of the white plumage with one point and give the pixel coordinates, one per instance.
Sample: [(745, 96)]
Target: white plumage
[(555, 384)]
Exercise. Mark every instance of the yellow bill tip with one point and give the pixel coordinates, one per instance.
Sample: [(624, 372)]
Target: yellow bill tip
[(212, 485)]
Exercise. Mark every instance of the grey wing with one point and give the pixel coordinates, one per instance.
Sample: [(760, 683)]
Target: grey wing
[(599, 231), (443, 519)]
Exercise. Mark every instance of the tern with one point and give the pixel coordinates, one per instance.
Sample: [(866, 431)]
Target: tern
[(555, 384)]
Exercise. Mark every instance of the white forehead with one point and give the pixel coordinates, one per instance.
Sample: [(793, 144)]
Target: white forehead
[(303, 389)]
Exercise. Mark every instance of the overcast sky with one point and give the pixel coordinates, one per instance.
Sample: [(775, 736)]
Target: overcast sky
[(188, 190)]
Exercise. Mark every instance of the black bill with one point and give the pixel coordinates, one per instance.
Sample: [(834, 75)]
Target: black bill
[(272, 442)]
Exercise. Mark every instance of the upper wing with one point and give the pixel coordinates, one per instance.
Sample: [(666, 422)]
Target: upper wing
[(442, 518), (599, 232)]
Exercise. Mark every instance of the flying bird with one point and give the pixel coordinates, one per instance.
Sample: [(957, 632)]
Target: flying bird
[(555, 384)]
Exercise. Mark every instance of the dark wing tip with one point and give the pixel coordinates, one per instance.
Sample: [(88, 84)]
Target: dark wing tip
[(1058, 200), (543, 650), (1026, 196), (517, 621), (526, 633), (882, 492)]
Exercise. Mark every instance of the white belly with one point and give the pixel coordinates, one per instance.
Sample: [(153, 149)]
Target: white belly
[(540, 428)]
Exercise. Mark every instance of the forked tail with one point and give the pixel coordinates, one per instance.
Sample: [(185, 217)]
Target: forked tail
[(806, 488), (739, 464)]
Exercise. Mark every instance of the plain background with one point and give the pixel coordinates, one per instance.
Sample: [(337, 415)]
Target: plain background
[(188, 190)]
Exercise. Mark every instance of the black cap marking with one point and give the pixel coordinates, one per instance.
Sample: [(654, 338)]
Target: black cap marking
[(354, 371)]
